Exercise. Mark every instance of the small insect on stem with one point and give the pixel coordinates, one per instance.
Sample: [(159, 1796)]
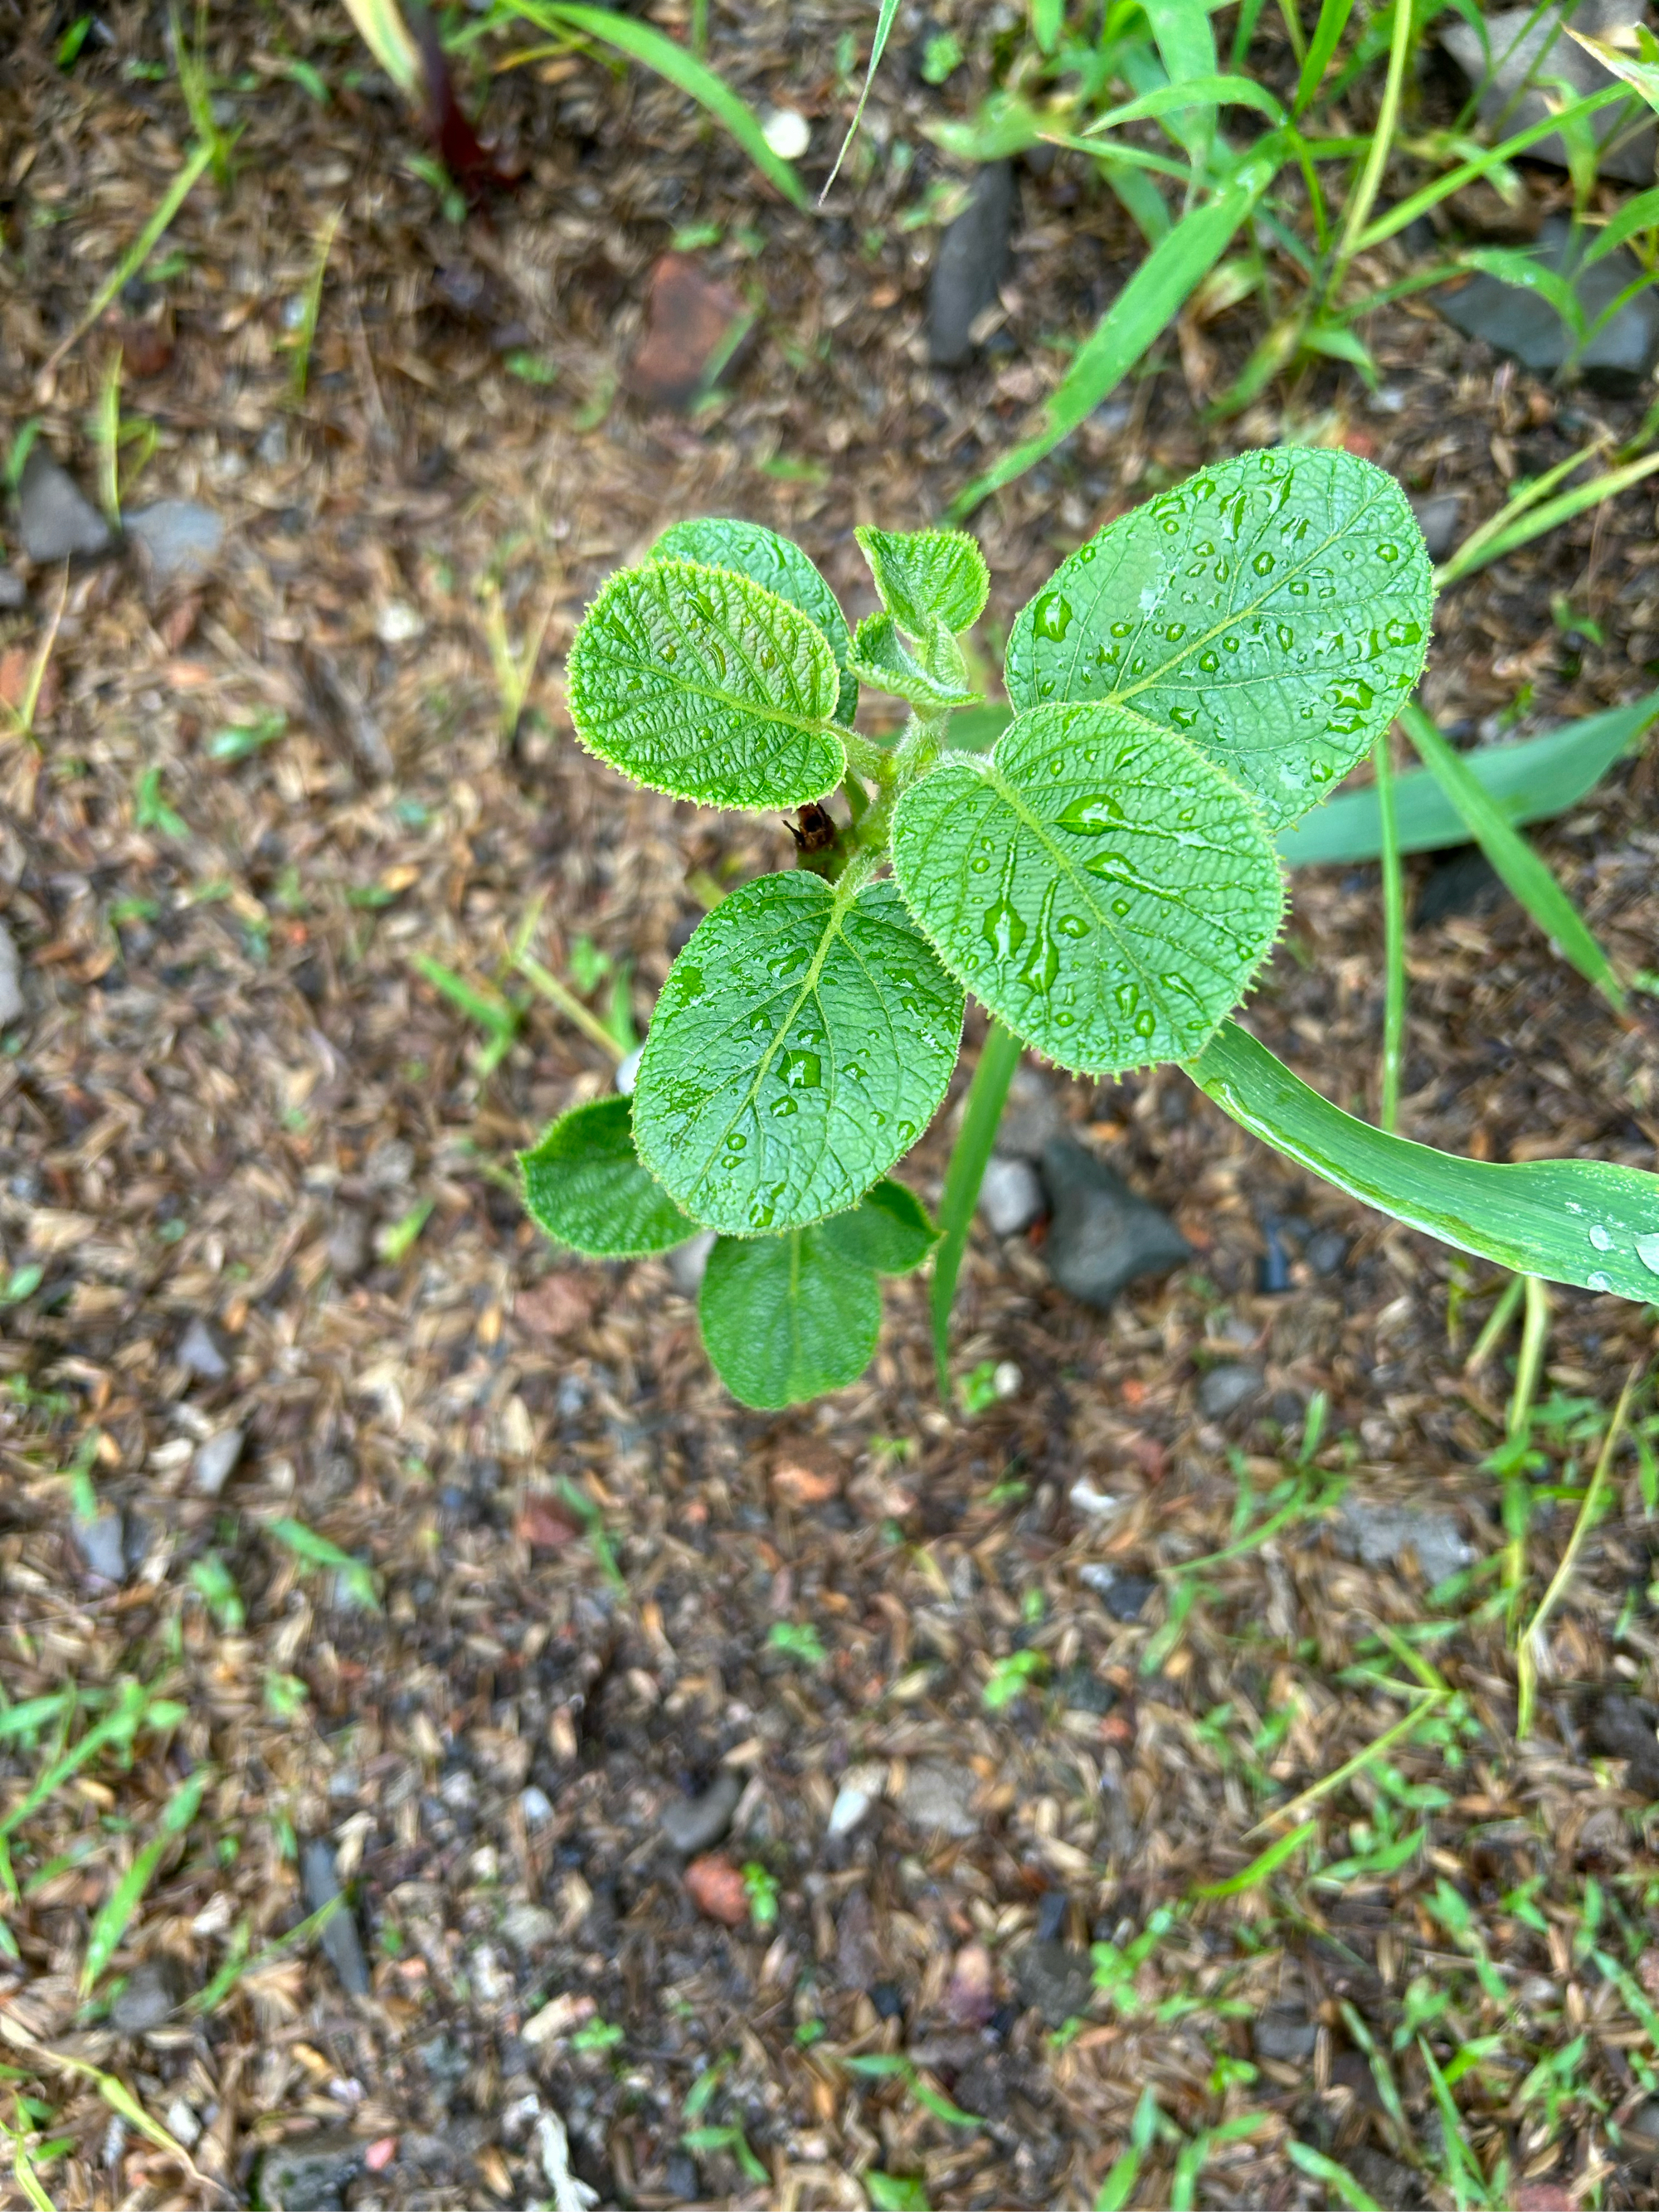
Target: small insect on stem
[(814, 828)]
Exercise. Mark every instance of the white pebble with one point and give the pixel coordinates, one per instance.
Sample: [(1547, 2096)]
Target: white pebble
[(786, 132), (1010, 1196)]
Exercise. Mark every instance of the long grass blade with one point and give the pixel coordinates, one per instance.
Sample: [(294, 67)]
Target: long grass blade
[(1142, 311), (1468, 557), (1528, 782), (382, 29), (1588, 1222), (1169, 98), (640, 42), (1337, 2179), (1393, 936), (1521, 868), (878, 47), (1328, 36), (123, 1900), (135, 255), (997, 1060)]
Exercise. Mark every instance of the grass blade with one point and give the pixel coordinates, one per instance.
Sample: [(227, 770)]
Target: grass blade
[(1572, 1221), (135, 255), (136, 1707), (1393, 936), (640, 42), (1141, 312), (123, 1900), (1328, 36), (878, 47), (1265, 1864), (1169, 98), (357, 1580), (1470, 556), (1336, 2179), (381, 27), (997, 1060), (1528, 782), (1526, 874)]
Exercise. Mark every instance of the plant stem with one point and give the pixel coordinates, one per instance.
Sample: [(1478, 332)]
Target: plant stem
[(1497, 1322), (982, 1110), (1393, 937), (1517, 1490), (568, 1003), (1526, 1656), (1365, 198)]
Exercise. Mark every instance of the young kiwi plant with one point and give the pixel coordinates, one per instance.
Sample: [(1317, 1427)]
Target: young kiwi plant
[(1104, 881)]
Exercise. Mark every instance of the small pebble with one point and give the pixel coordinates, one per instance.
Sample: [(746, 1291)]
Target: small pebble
[(102, 1547), (152, 1993), (1010, 1196), (11, 978), (55, 520), (693, 1824), (12, 593), (347, 1244), (179, 537), (786, 132), (939, 1799), (341, 1945), (860, 1786), (181, 2121), (214, 1460), (717, 1889), (1087, 1499), (397, 623), (536, 1805), (198, 1352), (1225, 1389), (529, 1927)]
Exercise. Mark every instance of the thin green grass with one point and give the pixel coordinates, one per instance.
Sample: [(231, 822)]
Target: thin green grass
[(981, 1113)]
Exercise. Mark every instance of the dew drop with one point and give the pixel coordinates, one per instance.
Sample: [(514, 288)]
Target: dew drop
[(801, 1071), (1095, 810), (1647, 1251), (780, 1107), (1072, 925), (906, 1132), (1046, 689), (1128, 997), (1120, 906), (670, 653), (1085, 554), (1388, 552), (1052, 617), (979, 864), (1175, 632), (1598, 1281), (1145, 1022), (1600, 1238), (1121, 629), (769, 660), (1263, 564)]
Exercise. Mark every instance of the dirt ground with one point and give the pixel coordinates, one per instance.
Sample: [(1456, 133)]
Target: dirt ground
[(231, 1080)]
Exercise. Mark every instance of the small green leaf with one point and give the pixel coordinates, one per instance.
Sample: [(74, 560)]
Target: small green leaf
[(801, 1043), (888, 1233), (696, 682), (123, 1900), (777, 564), (583, 1185), (784, 1319), (924, 574), (1101, 886), (895, 2192), (357, 1581), (1273, 610), (932, 676)]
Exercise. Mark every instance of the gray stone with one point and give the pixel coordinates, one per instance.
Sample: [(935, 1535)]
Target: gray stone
[(1524, 324), (310, 2173), (338, 1936), (1054, 1979), (1285, 2034), (1536, 53), (272, 446), (1125, 1596), (214, 1460), (1326, 1250), (1437, 517), (694, 1824), (1101, 1236), (12, 1003), (102, 1546), (1620, 1727), (1225, 1389), (389, 1164), (536, 1805), (177, 537), (1031, 1117), (529, 1927), (1010, 1196), (687, 1263), (1377, 1536), (1395, 2187), (1080, 1690), (152, 1993), (347, 1244), (973, 255), (54, 521), (12, 592), (938, 1800), (198, 1351)]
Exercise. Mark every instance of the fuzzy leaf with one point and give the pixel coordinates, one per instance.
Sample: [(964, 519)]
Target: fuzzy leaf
[(801, 1043), (583, 1185), (696, 682), (921, 573), (785, 1318), (930, 673), (889, 1232), (1273, 610), (1103, 887), (777, 563)]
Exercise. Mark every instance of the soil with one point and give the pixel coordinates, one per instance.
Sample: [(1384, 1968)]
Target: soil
[(235, 1102)]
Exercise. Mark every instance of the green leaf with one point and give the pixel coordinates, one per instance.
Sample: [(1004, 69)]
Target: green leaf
[(1266, 1862), (932, 678), (889, 1232), (895, 2192), (681, 68), (1641, 76), (1572, 1221), (1528, 782), (357, 1581), (921, 573), (583, 1185), (1145, 308), (801, 1043), (785, 1318), (1272, 610), (696, 682), (1335, 2178), (1098, 883), (779, 566), (1520, 868)]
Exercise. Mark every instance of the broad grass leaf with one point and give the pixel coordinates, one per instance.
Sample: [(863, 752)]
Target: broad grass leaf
[(1587, 1222), (921, 573), (777, 563), (890, 1231), (583, 1185), (1273, 610), (785, 1318), (695, 681), (801, 1044), (1099, 885)]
